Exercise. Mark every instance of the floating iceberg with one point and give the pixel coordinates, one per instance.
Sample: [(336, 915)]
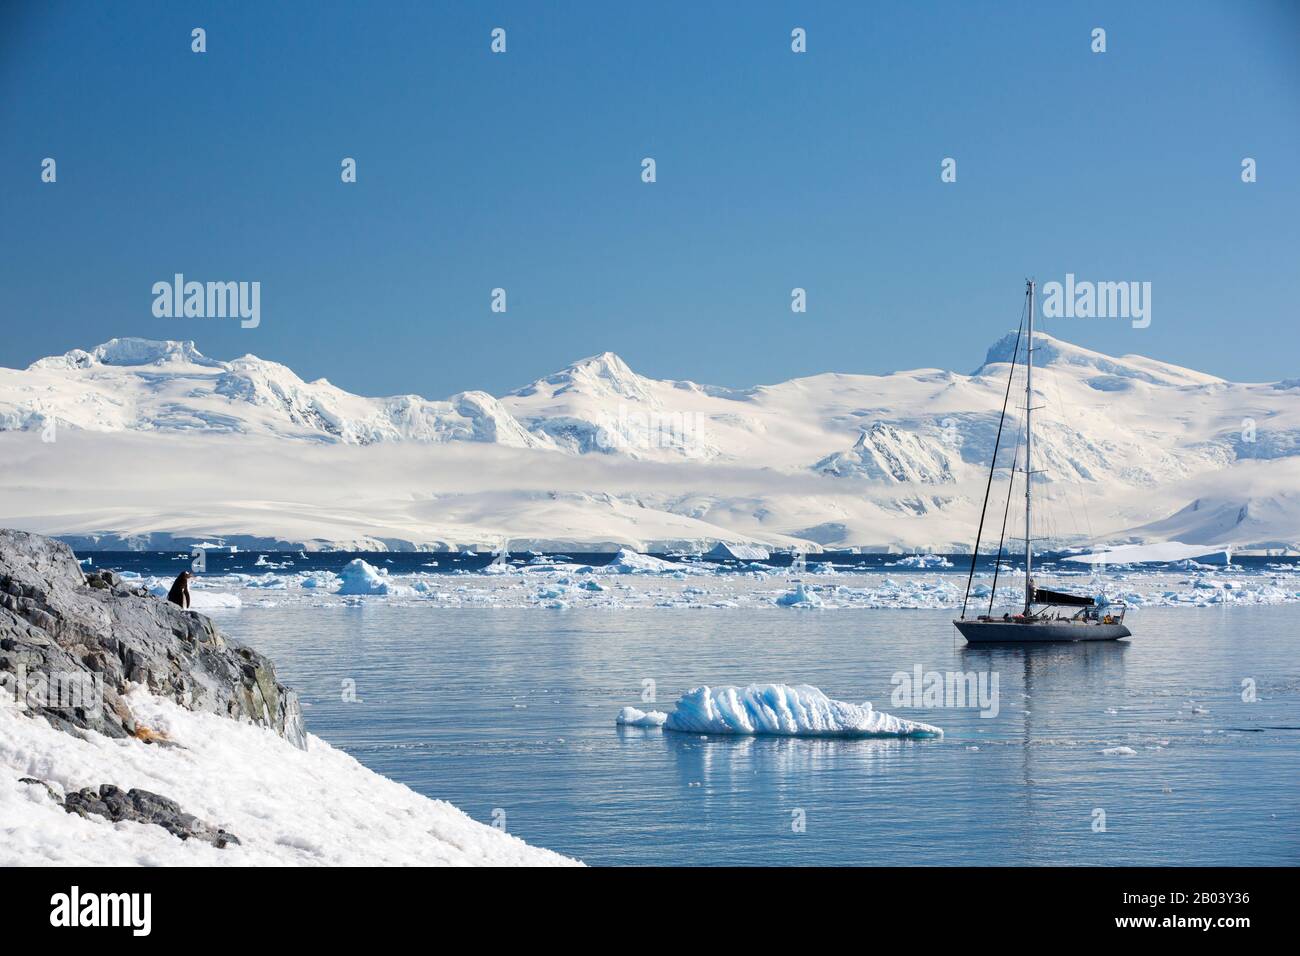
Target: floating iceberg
[(799, 597), (359, 577), (922, 561), (785, 711), (629, 562), (736, 552), (631, 717), (1160, 553)]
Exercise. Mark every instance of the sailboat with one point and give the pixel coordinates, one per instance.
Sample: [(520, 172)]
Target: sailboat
[(1047, 616)]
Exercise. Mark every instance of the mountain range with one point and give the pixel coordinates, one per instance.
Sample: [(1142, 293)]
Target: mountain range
[(151, 443)]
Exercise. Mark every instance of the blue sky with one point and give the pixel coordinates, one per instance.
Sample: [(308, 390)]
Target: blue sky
[(775, 170)]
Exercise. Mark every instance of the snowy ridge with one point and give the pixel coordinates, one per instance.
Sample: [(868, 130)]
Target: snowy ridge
[(597, 455), (140, 385), (884, 452)]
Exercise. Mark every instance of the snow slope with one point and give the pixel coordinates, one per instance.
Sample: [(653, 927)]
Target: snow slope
[(317, 807), (597, 455)]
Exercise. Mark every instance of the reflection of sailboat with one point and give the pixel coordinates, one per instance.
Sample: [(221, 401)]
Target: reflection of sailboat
[(1052, 677), (1042, 618)]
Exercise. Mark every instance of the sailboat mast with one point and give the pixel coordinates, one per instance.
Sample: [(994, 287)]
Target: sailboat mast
[(1029, 445)]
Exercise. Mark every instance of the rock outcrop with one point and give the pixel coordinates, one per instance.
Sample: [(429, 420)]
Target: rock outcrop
[(141, 806), (57, 623)]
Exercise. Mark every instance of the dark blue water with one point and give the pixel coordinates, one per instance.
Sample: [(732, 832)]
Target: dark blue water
[(513, 709)]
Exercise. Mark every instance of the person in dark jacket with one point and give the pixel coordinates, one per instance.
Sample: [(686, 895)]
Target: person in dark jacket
[(180, 592)]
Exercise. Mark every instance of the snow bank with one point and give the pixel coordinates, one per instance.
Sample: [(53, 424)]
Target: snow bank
[(781, 710), (631, 717), (287, 806)]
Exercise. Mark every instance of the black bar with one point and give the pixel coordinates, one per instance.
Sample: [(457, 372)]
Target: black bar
[(303, 906)]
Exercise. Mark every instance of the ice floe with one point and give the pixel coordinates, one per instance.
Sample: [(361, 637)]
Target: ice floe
[(799, 597), (631, 717)]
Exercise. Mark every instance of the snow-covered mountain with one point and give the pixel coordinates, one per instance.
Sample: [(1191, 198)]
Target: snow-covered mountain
[(599, 454), (139, 385)]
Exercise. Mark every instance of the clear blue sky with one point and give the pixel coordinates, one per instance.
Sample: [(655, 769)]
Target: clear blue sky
[(775, 170)]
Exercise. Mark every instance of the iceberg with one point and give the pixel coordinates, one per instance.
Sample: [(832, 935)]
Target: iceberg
[(1165, 552), (922, 561), (631, 717), (630, 562), (799, 597), (360, 577), (784, 711)]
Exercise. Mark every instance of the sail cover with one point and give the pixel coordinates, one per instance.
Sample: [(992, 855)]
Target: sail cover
[(1061, 599)]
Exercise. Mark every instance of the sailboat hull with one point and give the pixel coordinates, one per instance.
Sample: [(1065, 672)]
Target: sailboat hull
[(1038, 632)]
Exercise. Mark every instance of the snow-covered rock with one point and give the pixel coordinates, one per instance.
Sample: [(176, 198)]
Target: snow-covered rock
[(887, 453), (181, 747), (285, 806)]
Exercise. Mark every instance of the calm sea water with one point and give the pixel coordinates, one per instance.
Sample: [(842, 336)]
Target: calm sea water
[(513, 710)]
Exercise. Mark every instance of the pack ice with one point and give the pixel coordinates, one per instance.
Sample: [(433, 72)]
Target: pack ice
[(785, 711)]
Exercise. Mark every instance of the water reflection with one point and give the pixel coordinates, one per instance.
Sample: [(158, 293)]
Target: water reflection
[(721, 760)]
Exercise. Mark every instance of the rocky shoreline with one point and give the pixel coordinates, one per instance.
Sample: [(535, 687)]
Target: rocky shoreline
[(72, 645)]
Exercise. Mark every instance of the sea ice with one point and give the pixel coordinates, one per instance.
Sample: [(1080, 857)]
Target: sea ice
[(213, 600), (782, 710)]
